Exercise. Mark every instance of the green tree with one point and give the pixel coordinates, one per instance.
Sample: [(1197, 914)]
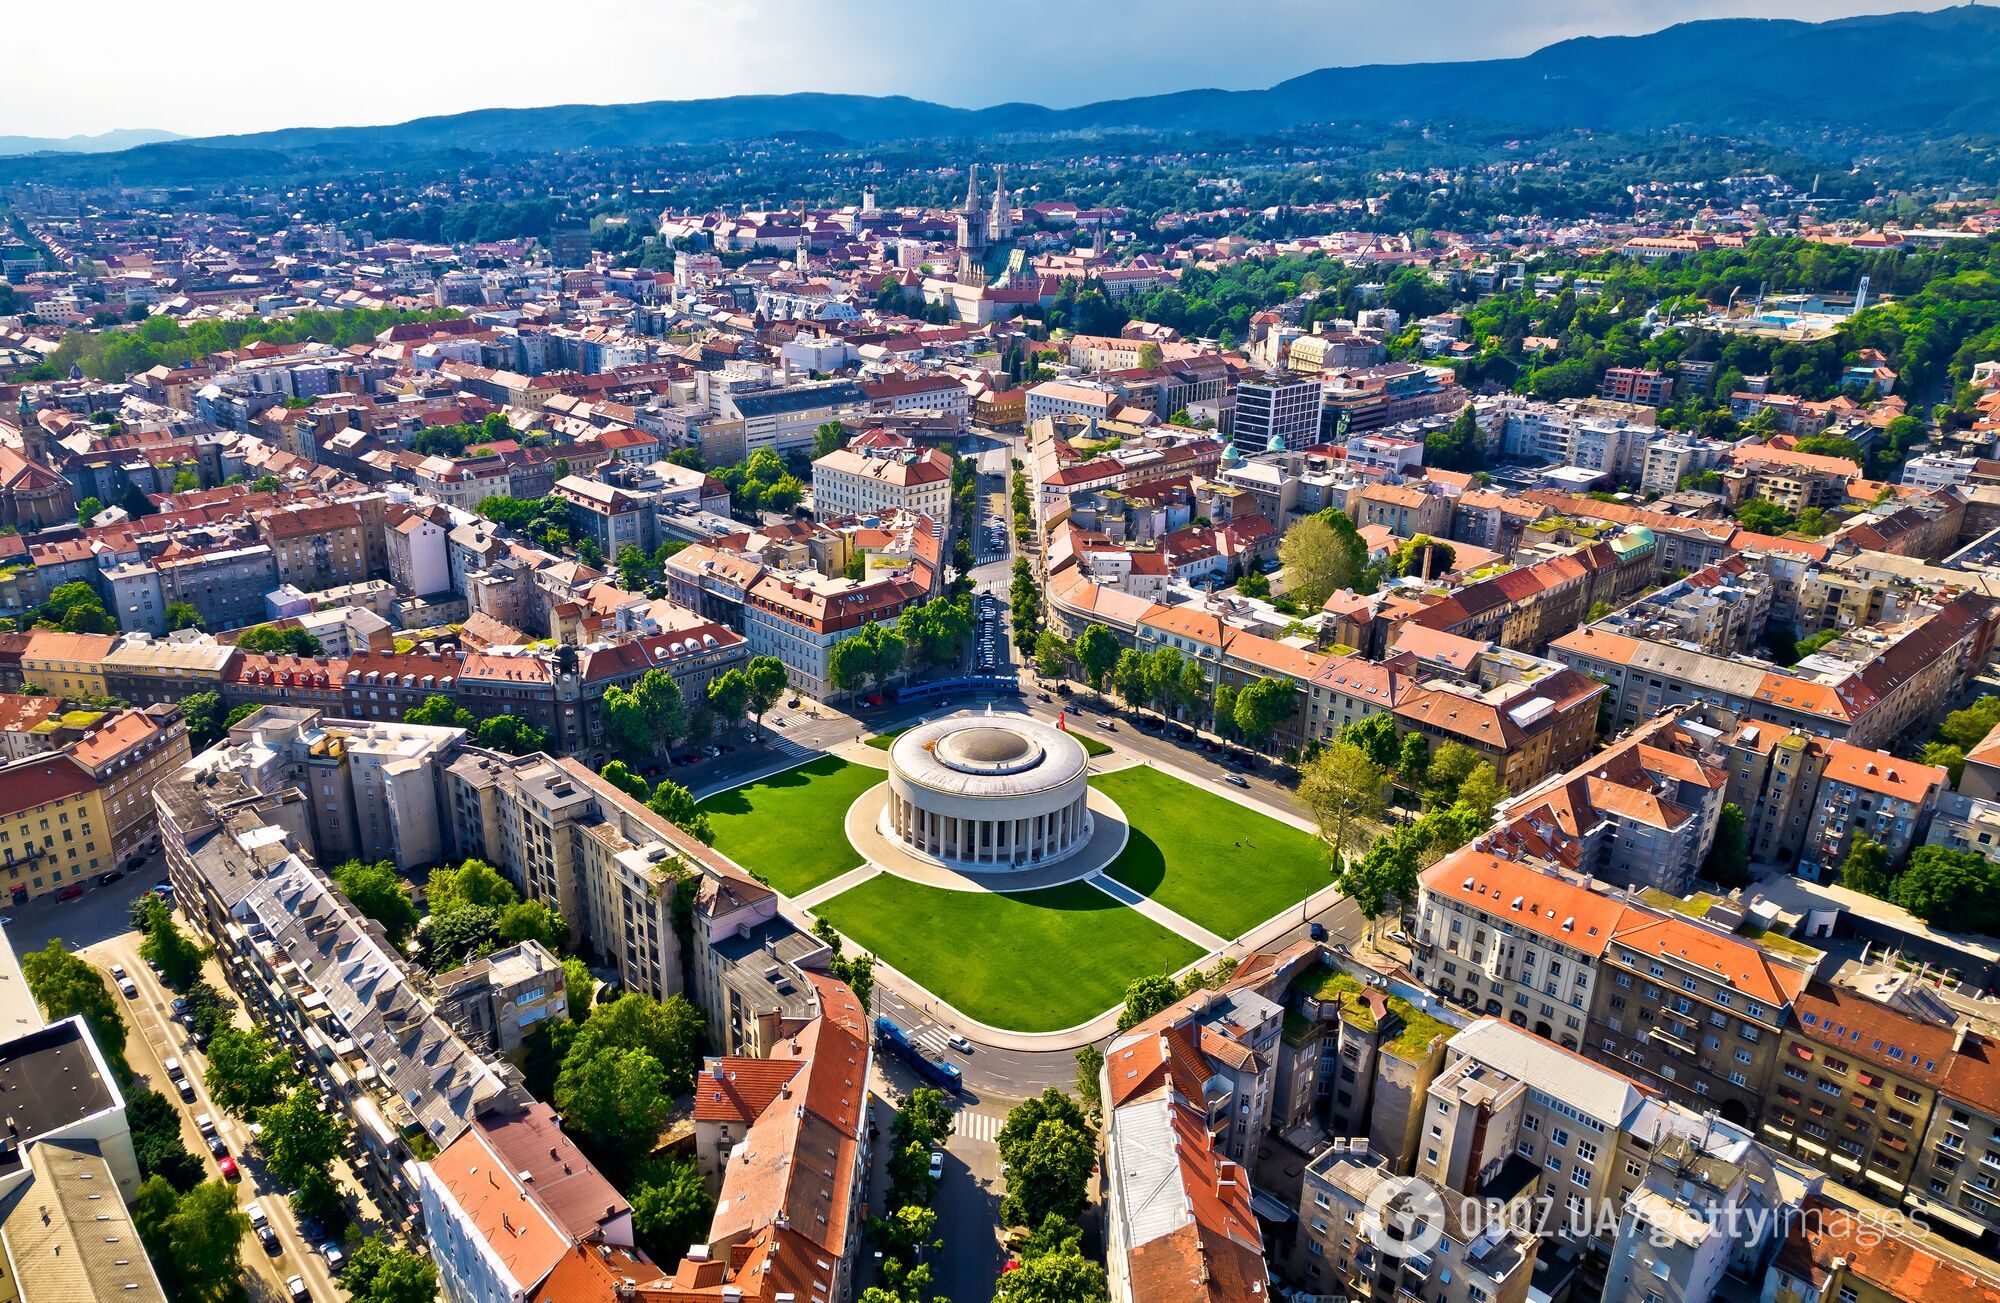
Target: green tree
[(1096, 653), (829, 437), (676, 805), (532, 920), (179, 958), (298, 1138), (87, 511), (1451, 765), (1048, 1149), (156, 1140), (208, 1009), (1481, 792), (1052, 1274), (195, 1239), (617, 1096), (510, 735), (671, 1208), (1965, 729), (273, 641), (766, 681), (1263, 706), (1052, 654), (634, 569), (64, 985), (669, 1031), (247, 1070), (620, 776), (437, 711), (579, 987), (376, 1271), (1376, 736), (459, 936), (1129, 678), (203, 713), (1089, 1063), (1762, 517), (182, 615), (1144, 997), (1728, 862), (1946, 757), (380, 893), (1956, 889), (1344, 791), (74, 607), (1425, 557), (472, 882), (265, 484), (1413, 759), (1866, 869), (728, 696)]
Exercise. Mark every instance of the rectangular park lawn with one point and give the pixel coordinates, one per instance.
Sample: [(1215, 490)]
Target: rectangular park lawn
[(1208, 859), (791, 829), (1030, 961)]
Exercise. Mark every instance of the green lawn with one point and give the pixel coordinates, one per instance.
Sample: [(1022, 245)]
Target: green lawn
[(883, 741), (1220, 864), (1033, 961), (791, 829)]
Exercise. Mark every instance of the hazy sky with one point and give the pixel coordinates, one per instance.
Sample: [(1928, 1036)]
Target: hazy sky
[(207, 67)]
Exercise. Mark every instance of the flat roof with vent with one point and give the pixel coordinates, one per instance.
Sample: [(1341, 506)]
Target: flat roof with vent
[(49, 1079)]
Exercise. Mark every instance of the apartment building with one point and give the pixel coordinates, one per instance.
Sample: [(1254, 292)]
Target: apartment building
[(493, 1000), (65, 664), (418, 560), (1640, 813), (1629, 384), (1275, 412), (128, 755), (566, 837), (610, 516), (1357, 1242), (508, 1200), (1806, 798), (1837, 1253), (1527, 717), (799, 617), (318, 547), (53, 828), (871, 481), (1868, 688), (226, 585), (1694, 1012), (145, 670)]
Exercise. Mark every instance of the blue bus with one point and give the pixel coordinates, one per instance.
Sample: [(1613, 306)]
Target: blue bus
[(898, 1042)]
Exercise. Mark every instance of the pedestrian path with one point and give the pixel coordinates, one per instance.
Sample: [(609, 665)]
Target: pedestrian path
[(975, 1125), (1153, 909), (827, 890)]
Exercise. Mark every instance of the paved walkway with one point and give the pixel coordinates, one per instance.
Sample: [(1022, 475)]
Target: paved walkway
[(826, 891), (1108, 834), (1153, 909)]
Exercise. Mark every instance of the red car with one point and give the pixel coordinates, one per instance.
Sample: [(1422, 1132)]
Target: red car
[(228, 1165)]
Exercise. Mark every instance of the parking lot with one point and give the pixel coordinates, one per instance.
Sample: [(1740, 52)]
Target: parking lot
[(989, 652)]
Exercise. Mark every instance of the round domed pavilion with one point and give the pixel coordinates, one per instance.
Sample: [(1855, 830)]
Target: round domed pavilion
[(988, 792)]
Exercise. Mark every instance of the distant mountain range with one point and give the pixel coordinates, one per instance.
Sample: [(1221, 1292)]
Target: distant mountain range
[(1893, 76), (105, 143)]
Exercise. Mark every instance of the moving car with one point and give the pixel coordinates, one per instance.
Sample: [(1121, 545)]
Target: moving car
[(1236, 780), (937, 1163), (106, 879), (1317, 931), (959, 1043)]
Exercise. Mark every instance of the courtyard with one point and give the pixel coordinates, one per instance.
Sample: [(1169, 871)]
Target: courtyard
[(1051, 956)]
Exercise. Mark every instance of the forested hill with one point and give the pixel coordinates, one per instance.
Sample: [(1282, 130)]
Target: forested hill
[(1905, 76)]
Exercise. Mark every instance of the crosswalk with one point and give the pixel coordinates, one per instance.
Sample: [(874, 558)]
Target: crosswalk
[(975, 1125)]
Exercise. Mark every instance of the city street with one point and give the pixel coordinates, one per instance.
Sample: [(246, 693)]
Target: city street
[(153, 1038), (968, 1194)]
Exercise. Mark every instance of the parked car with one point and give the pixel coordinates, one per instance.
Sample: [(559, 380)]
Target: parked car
[(71, 892), (296, 1286), (216, 1148), (331, 1252), (266, 1236), (205, 1123), (125, 984), (937, 1163), (182, 1086), (227, 1166)]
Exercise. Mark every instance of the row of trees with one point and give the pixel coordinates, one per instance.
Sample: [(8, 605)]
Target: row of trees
[(509, 734), (644, 721), (669, 800), (932, 633)]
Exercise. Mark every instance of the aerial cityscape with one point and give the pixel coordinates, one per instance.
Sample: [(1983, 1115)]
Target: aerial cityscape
[(837, 656)]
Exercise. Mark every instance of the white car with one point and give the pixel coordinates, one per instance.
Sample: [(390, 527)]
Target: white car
[(959, 1043), (125, 984), (937, 1163), (296, 1286), (205, 1123)]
